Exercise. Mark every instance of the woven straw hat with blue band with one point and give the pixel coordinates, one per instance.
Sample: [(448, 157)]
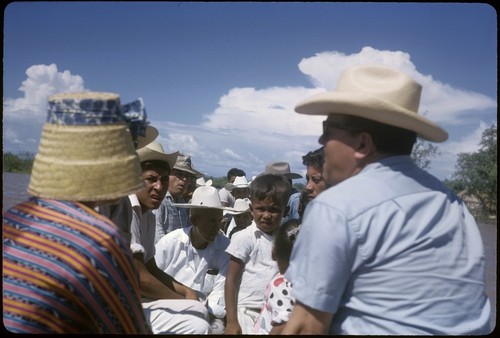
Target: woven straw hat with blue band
[(86, 151)]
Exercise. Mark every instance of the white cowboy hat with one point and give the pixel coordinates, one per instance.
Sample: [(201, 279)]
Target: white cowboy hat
[(184, 164), (241, 205), (376, 93), (203, 197), (239, 182), (281, 168), (201, 182), (154, 152)]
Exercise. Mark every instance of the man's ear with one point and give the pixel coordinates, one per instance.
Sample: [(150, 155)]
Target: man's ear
[(364, 145)]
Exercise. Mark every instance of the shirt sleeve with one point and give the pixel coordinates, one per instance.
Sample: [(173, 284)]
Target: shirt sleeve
[(322, 258)]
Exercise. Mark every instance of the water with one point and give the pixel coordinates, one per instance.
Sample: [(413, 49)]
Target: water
[(14, 191)]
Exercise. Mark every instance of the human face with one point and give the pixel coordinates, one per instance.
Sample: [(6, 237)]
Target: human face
[(206, 225), (151, 196), (178, 182), (340, 143), (243, 220), (267, 214), (240, 193), (315, 182)]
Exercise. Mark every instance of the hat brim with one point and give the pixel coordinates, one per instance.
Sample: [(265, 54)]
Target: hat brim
[(372, 108), (147, 154), (151, 135), (196, 206), (236, 212)]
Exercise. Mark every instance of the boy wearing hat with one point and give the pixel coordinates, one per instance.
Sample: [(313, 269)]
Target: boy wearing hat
[(394, 250), (171, 308), (196, 257), (168, 216), (66, 268)]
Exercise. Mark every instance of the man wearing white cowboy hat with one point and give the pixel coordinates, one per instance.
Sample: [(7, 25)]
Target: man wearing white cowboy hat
[(196, 257), (242, 216), (388, 249), (168, 216), (171, 307)]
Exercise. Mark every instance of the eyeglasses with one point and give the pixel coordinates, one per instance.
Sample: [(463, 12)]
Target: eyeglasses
[(328, 125), (180, 174)]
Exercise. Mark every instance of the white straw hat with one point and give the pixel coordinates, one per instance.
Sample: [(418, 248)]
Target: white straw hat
[(241, 205), (201, 182), (154, 152), (239, 182), (376, 93), (281, 168), (203, 197), (86, 151)]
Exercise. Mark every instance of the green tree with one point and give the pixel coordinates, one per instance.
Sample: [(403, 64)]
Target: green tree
[(422, 153), (20, 163), (477, 172)]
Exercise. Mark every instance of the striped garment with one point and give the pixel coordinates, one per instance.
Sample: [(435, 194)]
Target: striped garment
[(67, 269)]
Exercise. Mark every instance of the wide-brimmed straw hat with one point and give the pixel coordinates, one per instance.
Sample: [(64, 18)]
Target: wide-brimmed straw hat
[(239, 182), (150, 136), (281, 168), (86, 151), (184, 164), (136, 118), (154, 152), (241, 205), (205, 197), (376, 93), (201, 182)]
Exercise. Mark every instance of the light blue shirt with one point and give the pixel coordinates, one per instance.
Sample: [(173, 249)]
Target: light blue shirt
[(169, 217), (392, 251)]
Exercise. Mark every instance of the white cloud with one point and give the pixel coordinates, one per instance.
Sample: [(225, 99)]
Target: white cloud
[(254, 126)]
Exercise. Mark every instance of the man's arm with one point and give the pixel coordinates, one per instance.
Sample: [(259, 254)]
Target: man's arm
[(170, 283), (231, 288), (305, 320)]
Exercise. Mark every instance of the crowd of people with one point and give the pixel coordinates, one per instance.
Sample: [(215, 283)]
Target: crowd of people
[(119, 236)]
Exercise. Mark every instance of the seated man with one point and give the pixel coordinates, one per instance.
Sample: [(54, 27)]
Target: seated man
[(196, 257), (171, 307)]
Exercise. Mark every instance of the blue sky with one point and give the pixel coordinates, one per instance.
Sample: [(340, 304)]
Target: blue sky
[(220, 80)]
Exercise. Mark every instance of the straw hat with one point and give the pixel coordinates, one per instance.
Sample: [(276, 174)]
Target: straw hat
[(136, 119), (239, 182), (281, 168), (86, 151), (376, 93), (241, 205), (154, 152), (201, 182), (184, 164), (206, 197)]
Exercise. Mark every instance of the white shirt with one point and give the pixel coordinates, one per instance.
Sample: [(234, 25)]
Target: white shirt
[(202, 270), (142, 229), (254, 248)]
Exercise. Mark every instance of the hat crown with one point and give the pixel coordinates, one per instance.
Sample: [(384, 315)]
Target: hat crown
[(280, 168), (240, 182), (206, 196), (154, 152), (383, 83), (201, 182), (242, 204)]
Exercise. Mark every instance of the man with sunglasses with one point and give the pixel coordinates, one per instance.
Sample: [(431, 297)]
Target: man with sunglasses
[(388, 249), (168, 216)]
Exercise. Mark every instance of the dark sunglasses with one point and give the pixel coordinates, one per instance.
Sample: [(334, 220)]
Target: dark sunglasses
[(328, 125)]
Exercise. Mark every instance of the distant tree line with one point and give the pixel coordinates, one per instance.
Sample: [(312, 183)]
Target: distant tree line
[(18, 163)]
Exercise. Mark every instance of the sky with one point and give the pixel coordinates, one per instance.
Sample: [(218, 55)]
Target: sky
[(220, 80)]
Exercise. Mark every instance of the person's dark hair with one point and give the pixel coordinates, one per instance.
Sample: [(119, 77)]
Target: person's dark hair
[(235, 172), (277, 187), (315, 158), (388, 139), (285, 238), (155, 164)]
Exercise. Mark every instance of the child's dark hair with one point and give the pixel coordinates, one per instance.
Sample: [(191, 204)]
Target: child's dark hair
[(285, 238), (276, 187)]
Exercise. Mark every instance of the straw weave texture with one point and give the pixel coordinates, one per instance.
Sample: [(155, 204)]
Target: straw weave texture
[(85, 163)]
